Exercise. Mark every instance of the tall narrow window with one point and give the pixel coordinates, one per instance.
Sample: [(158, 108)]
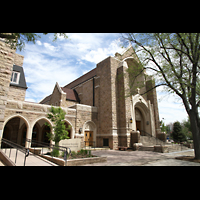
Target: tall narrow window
[(15, 77)]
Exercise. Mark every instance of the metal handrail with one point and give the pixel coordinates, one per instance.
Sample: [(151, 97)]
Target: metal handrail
[(25, 150), (66, 150), (48, 145), (17, 147)]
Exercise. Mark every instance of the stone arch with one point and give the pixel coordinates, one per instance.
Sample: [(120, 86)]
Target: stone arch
[(90, 126), (72, 128), (40, 127), (13, 116), (135, 68), (138, 102), (26, 122), (40, 118)]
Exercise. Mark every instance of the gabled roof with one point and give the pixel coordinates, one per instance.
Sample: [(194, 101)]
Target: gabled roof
[(81, 79), (71, 94)]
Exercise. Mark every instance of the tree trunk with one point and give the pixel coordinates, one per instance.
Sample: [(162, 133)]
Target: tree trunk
[(195, 133)]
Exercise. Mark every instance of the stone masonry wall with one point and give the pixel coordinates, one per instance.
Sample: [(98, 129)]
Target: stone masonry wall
[(6, 66), (16, 93), (152, 96), (85, 92)]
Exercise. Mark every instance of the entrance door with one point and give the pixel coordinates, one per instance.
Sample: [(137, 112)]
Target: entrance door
[(138, 125), (88, 138)]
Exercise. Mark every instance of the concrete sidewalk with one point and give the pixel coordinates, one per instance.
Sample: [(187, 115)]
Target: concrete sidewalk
[(31, 160), (143, 158), (171, 161)]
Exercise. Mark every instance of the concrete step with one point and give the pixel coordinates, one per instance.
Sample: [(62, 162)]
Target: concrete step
[(146, 148), (148, 141), (97, 148)]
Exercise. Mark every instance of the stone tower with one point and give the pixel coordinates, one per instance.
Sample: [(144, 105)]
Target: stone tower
[(118, 111)]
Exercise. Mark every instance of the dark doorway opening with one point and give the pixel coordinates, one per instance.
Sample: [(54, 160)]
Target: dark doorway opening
[(105, 142)]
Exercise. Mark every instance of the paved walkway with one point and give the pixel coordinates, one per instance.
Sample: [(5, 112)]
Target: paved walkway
[(143, 158), (31, 160)]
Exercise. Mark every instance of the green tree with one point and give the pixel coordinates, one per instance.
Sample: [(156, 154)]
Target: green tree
[(162, 125), (177, 134), (186, 127), (57, 116), (175, 59), (18, 40)]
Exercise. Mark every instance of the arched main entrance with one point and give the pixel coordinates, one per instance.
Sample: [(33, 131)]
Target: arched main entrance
[(139, 121)]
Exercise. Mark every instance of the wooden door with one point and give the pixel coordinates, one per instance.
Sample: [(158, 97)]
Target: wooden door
[(138, 125), (88, 138)]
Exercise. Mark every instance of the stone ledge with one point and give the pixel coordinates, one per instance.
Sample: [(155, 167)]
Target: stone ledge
[(84, 161), (75, 162)]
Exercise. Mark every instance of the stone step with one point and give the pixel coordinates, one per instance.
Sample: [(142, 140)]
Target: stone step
[(148, 141), (146, 148)]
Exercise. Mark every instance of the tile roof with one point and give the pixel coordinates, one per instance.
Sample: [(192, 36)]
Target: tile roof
[(81, 79), (45, 100), (71, 94)]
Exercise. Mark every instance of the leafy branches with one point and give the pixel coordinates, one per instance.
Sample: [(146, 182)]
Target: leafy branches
[(57, 116), (176, 60), (18, 40)]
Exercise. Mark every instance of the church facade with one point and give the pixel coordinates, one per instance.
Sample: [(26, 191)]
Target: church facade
[(99, 108)]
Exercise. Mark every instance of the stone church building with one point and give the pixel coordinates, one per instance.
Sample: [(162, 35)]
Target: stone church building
[(98, 108)]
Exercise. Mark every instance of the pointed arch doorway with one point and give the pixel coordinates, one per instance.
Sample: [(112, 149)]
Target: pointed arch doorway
[(89, 133)]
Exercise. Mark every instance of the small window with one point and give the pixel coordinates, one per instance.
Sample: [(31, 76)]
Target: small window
[(15, 77)]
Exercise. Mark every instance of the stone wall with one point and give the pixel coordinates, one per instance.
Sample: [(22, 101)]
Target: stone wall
[(6, 65), (18, 59), (85, 92), (152, 96), (16, 93)]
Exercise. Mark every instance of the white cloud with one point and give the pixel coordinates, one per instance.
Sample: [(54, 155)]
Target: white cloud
[(49, 46), (38, 42), (63, 61), (99, 54)]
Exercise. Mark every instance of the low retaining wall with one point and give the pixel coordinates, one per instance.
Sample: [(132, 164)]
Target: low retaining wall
[(161, 149), (5, 160), (84, 161), (75, 162)]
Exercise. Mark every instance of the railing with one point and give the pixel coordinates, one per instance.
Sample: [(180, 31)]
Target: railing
[(90, 144), (42, 145), (7, 143)]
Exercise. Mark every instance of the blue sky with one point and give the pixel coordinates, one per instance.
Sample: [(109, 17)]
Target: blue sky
[(47, 62)]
